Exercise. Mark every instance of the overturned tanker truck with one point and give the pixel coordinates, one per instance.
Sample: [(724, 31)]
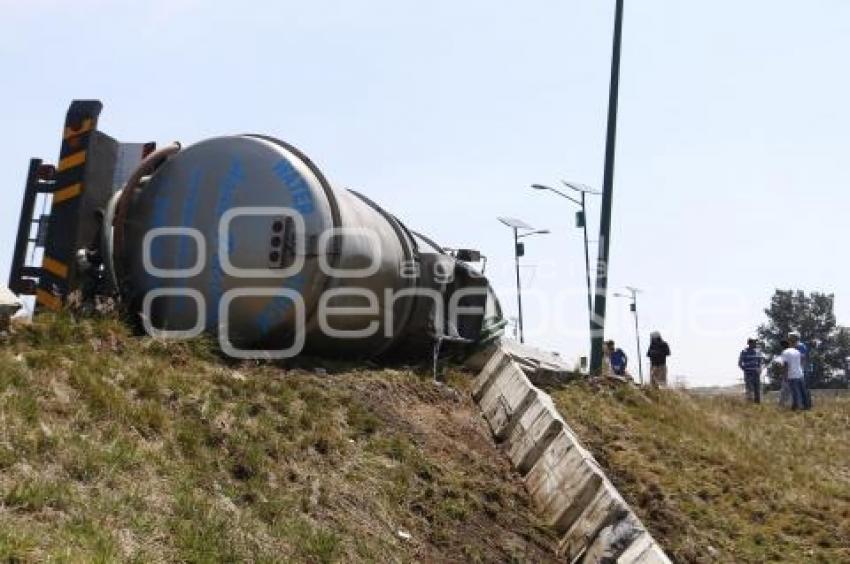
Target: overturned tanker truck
[(242, 237)]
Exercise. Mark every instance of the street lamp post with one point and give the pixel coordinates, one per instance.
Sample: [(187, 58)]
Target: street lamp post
[(517, 253), (519, 250), (633, 292), (583, 191), (599, 301)]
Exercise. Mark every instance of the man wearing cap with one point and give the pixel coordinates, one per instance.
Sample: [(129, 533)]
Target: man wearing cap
[(750, 362), (658, 352)]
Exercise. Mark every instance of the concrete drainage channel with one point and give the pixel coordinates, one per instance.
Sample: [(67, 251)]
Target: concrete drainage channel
[(569, 489)]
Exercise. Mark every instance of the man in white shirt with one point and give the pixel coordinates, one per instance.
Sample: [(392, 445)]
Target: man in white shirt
[(793, 361), (795, 342)]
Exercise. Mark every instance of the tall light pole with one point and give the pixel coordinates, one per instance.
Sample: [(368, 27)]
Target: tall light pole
[(519, 250), (599, 302), (633, 292), (581, 221)]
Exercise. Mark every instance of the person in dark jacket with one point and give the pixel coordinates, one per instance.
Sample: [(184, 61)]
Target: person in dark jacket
[(618, 359), (658, 352), (750, 361)]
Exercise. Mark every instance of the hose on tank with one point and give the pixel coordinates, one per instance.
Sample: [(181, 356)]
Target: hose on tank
[(148, 165)]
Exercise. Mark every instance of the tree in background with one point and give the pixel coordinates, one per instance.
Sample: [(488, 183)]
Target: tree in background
[(813, 317)]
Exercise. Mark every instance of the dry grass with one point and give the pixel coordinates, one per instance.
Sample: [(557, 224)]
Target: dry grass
[(114, 447), (719, 480)]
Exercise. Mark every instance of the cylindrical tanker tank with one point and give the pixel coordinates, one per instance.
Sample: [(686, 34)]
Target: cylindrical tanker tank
[(243, 236)]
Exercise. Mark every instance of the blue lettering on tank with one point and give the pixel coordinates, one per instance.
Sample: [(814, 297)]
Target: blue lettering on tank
[(302, 201), (302, 197)]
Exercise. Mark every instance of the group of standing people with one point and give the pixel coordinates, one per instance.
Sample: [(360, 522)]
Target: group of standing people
[(658, 352), (790, 366)]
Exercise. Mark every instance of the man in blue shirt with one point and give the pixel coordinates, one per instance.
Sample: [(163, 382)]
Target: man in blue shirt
[(794, 339), (750, 361), (618, 359)]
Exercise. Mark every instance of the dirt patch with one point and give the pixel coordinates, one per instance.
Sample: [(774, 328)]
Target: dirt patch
[(482, 510)]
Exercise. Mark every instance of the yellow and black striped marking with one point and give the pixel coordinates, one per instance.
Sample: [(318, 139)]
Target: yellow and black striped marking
[(86, 126), (71, 191), (58, 277), (55, 267), (48, 300), (71, 161)]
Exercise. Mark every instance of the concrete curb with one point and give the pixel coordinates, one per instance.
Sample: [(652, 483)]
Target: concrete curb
[(564, 480)]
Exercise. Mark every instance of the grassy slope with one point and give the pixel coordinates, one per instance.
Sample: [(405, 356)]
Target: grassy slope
[(121, 448), (719, 480)]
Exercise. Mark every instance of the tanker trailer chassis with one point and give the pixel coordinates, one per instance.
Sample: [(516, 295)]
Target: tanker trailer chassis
[(244, 238)]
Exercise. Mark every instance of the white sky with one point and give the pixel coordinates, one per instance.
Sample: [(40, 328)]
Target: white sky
[(732, 170)]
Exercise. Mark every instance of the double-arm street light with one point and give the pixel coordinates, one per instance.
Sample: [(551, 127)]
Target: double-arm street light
[(519, 250), (599, 297), (633, 292), (581, 221)]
